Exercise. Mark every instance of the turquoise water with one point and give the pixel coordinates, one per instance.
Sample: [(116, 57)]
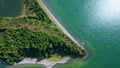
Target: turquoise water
[(2, 64), (10, 8), (97, 24)]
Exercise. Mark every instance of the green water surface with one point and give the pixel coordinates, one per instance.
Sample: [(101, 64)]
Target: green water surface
[(10, 8), (28, 66), (94, 22)]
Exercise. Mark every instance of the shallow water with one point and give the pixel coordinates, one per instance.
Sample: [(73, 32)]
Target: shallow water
[(10, 8), (94, 22), (28, 66)]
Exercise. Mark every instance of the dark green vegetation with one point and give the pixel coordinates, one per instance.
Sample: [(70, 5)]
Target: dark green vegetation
[(33, 35)]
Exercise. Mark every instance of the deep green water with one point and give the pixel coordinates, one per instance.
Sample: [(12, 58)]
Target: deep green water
[(10, 8), (97, 24), (28, 66)]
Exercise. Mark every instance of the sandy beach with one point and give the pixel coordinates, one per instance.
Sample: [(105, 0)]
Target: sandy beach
[(52, 17), (46, 62)]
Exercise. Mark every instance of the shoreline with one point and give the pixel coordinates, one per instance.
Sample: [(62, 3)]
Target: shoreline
[(53, 18), (62, 28), (45, 62)]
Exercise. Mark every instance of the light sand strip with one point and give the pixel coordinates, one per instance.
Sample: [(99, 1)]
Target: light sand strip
[(52, 17), (46, 62)]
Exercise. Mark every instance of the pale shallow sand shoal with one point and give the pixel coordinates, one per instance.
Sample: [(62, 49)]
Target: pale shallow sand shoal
[(45, 62)]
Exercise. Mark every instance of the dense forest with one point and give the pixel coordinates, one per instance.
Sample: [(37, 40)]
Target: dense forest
[(34, 35)]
